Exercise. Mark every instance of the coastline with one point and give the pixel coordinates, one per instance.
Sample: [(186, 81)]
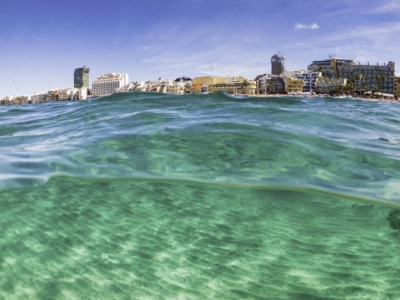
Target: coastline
[(299, 96), (24, 100)]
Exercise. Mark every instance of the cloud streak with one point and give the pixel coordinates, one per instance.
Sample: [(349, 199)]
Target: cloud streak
[(363, 43), (387, 7), (299, 26)]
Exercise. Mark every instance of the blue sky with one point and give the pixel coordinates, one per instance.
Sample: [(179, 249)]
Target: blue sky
[(43, 41)]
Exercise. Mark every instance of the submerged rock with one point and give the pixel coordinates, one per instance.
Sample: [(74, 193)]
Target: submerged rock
[(394, 219)]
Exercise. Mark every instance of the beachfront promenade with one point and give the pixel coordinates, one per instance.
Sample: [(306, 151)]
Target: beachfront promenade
[(334, 77), (21, 100)]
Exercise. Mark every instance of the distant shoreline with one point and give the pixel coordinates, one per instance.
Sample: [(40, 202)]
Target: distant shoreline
[(299, 96), (17, 102)]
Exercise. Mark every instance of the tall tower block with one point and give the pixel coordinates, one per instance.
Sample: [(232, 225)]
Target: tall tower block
[(81, 77), (277, 64)]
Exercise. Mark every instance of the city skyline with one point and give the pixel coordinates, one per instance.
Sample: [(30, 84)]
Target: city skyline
[(43, 44)]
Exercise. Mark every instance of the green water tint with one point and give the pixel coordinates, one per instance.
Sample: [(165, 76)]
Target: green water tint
[(338, 146), (158, 240), (152, 196)]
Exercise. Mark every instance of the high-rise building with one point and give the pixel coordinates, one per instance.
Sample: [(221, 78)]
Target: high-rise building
[(365, 77), (81, 77), (106, 84), (277, 64)]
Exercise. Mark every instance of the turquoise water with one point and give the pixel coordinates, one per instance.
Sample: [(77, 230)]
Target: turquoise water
[(152, 196)]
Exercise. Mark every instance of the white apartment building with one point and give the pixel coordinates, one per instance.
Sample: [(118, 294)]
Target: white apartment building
[(106, 84), (310, 80), (170, 86)]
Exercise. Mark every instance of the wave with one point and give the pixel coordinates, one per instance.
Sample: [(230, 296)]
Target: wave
[(339, 146)]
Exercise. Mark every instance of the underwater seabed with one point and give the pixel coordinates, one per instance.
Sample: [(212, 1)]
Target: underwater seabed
[(168, 240)]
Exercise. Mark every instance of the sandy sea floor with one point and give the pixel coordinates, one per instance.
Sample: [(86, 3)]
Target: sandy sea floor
[(154, 240)]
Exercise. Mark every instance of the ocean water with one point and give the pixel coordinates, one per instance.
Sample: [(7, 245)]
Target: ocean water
[(154, 196)]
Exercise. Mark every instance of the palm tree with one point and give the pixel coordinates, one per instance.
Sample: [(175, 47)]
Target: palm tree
[(245, 84), (360, 78), (383, 78), (378, 79), (349, 86), (257, 83), (368, 89), (187, 88), (357, 77), (345, 88), (271, 86), (337, 88), (341, 88), (376, 89)]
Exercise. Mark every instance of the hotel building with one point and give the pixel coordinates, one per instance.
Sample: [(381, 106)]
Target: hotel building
[(201, 84), (230, 85), (365, 77), (106, 84), (327, 85)]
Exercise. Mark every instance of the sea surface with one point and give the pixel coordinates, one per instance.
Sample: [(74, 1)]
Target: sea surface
[(155, 196)]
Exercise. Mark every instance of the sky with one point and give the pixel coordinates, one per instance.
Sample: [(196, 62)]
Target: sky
[(43, 41)]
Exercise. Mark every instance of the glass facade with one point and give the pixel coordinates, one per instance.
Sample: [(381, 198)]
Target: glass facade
[(81, 77), (277, 65)]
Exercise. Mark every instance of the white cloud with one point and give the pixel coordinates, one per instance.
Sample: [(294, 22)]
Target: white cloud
[(364, 43), (298, 26), (386, 7)]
